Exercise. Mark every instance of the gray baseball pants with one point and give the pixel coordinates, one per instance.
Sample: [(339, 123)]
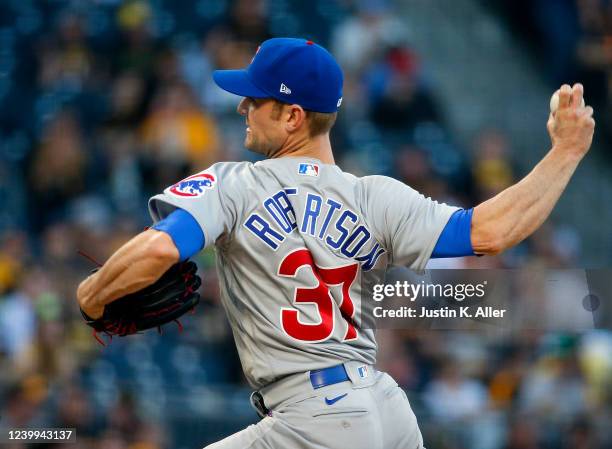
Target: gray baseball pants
[(370, 413)]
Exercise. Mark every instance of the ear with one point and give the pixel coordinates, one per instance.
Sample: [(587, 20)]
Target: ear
[(295, 118)]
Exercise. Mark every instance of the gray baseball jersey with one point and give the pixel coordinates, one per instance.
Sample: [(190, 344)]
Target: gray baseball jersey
[(293, 237)]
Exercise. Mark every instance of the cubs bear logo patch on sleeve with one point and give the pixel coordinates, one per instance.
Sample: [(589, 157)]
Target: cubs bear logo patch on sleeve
[(194, 186)]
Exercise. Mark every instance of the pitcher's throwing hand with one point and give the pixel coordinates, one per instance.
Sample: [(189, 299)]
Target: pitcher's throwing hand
[(571, 125)]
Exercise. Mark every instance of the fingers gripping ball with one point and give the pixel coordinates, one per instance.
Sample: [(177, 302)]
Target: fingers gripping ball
[(570, 126), (554, 102), (166, 300)]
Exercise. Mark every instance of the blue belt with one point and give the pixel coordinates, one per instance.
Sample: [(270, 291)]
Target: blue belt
[(328, 376)]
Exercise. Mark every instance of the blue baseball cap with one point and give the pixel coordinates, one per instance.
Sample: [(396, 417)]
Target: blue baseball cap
[(294, 71)]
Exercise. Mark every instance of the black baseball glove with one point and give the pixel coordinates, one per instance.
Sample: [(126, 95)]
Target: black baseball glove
[(169, 298)]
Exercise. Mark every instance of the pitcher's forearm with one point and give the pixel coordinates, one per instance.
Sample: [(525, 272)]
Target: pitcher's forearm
[(511, 216), (135, 265)]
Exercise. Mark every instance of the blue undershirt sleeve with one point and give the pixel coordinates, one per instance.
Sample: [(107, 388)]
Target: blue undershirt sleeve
[(455, 239), (184, 231)]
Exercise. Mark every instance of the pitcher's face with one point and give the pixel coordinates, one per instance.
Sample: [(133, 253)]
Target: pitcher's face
[(265, 133)]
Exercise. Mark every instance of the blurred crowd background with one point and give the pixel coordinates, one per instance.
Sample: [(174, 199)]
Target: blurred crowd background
[(104, 103)]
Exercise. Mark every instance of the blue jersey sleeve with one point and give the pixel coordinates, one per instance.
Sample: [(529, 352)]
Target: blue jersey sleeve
[(455, 241), (184, 231)]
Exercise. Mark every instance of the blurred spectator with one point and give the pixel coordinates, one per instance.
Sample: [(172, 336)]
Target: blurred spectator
[(361, 37), (452, 397), (581, 435), (491, 168), (58, 172), (14, 254), (123, 417), (247, 23), (22, 405), (178, 135), (594, 56), (523, 434), (137, 50), (458, 403), (573, 41), (221, 51), (594, 50), (413, 167), (17, 324), (398, 99), (555, 377), (66, 61), (506, 380), (75, 411), (127, 100)]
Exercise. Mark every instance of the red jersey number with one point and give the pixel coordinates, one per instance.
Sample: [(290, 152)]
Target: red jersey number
[(320, 296)]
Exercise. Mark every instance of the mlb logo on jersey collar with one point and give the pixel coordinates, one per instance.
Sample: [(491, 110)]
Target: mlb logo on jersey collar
[(308, 170)]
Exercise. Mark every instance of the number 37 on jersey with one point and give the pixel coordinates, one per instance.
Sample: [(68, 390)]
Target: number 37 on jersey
[(320, 296)]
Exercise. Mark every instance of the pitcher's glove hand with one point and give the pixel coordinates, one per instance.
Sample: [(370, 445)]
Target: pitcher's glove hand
[(169, 298)]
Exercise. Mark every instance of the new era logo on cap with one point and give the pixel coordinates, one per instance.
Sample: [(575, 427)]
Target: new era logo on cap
[(284, 89)]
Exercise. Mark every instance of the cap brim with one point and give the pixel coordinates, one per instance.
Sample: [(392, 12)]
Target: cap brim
[(238, 82)]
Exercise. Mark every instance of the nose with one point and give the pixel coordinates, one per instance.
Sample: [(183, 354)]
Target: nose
[(243, 107)]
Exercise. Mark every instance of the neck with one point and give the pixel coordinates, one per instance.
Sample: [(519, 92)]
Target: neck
[(318, 147)]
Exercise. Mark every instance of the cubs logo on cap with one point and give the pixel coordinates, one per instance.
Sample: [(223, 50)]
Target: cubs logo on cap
[(194, 186)]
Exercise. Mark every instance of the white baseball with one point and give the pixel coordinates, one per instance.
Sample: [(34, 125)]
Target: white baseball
[(554, 102)]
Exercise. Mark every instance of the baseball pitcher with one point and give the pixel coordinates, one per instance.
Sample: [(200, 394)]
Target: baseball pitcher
[(294, 235)]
